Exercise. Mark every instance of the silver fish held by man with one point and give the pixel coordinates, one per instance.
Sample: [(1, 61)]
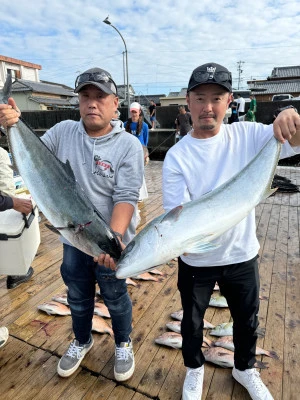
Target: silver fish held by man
[(53, 187), (193, 226)]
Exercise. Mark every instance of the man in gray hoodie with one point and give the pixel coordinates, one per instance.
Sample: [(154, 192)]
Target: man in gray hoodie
[(108, 164)]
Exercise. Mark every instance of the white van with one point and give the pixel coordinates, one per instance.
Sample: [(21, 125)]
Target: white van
[(280, 97)]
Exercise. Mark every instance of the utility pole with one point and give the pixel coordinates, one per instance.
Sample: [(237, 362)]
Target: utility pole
[(240, 71)]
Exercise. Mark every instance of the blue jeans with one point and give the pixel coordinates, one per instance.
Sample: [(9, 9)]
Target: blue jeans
[(80, 273)]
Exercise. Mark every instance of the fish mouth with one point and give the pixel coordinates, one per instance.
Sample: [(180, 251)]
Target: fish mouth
[(120, 262)]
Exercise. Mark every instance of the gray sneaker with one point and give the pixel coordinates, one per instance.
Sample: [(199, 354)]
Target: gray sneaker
[(72, 358), (124, 361)]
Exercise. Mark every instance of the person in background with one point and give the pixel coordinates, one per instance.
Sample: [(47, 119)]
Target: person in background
[(137, 127), (250, 116), (223, 150), (8, 200), (152, 112), (234, 112), (136, 124), (108, 164), (183, 122), (241, 105)]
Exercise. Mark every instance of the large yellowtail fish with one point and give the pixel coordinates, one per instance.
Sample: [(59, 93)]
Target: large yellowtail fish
[(192, 227), (54, 188)]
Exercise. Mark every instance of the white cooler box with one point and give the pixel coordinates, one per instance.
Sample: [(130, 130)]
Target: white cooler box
[(19, 241)]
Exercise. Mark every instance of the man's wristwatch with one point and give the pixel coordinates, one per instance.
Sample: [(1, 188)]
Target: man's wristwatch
[(287, 107)]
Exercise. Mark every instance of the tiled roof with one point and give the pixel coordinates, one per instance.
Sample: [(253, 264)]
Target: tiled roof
[(21, 85), (55, 102), (286, 72), (273, 87)]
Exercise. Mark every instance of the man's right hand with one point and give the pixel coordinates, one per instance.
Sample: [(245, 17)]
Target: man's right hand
[(22, 205), (9, 113)]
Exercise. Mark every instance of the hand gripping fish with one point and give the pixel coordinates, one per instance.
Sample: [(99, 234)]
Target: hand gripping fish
[(207, 218), (54, 188)]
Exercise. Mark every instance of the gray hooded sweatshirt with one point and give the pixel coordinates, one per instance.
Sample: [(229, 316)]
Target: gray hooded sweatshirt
[(109, 168)]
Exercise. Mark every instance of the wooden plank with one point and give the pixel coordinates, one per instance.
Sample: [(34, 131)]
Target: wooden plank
[(17, 371), (291, 380), (28, 366)]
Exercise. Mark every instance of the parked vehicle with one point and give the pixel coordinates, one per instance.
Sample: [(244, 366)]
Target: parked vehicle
[(280, 97), (293, 99)]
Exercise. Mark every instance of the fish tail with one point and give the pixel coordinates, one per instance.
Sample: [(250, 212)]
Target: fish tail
[(6, 91), (269, 192)]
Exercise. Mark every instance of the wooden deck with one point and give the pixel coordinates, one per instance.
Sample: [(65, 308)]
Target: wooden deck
[(28, 361)]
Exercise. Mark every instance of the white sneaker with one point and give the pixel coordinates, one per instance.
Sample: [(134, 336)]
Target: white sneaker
[(193, 384), (251, 380), (3, 335)]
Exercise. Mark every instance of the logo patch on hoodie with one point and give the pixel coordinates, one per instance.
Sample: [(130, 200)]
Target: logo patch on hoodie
[(103, 167)]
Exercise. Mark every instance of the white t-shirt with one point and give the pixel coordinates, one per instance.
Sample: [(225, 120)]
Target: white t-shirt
[(194, 167), (241, 102)]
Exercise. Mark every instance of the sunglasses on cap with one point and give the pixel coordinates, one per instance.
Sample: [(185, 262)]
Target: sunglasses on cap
[(100, 77), (218, 76)]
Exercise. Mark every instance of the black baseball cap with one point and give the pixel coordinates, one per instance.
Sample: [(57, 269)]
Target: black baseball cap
[(97, 77), (210, 73)]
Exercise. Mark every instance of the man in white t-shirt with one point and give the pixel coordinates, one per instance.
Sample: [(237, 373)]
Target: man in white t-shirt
[(216, 152), (241, 105)]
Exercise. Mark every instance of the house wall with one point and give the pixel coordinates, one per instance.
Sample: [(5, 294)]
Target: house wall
[(172, 101), (21, 69), (24, 103)]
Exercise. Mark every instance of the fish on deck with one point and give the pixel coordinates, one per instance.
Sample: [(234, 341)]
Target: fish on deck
[(54, 308), (227, 343), (175, 326), (174, 340), (218, 301), (179, 315), (129, 281), (226, 329), (101, 310), (156, 272), (61, 298), (101, 326), (225, 358), (146, 277)]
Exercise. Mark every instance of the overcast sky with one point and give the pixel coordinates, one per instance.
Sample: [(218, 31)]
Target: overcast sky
[(165, 40)]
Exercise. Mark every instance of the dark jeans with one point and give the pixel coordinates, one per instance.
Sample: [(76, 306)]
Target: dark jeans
[(80, 274), (239, 283)]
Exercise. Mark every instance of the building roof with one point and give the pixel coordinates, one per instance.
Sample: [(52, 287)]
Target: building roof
[(19, 62), (285, 72), (272, 87), (21, 85), (145, 100), (54, 101), (181, 93)]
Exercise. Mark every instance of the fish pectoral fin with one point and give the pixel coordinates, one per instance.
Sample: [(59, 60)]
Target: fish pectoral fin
[(198, 246), (172, 215)]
